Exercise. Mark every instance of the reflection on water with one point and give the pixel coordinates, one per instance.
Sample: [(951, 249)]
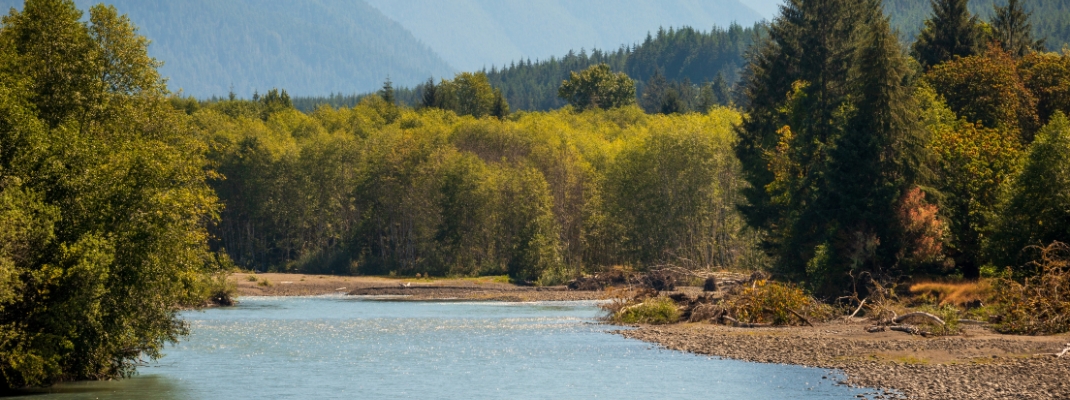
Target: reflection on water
[(339, 347)]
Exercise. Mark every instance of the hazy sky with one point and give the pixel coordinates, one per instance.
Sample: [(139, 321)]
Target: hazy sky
[(768, 8)]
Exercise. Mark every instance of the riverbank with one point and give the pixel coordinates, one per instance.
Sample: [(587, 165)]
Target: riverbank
[(977, 365), (414, 289)]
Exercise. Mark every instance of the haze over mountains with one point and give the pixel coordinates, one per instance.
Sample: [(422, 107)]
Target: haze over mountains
[(473, 34), (316, 47)]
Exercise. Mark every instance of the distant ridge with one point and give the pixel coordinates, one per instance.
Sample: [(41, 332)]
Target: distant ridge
[(477, 34)]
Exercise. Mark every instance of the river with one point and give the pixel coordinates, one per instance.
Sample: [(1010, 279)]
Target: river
[(349, 348)]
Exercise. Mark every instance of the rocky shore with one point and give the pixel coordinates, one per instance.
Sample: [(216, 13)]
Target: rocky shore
[(977, 365)]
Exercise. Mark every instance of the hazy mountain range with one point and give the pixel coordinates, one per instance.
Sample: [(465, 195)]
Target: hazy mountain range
[(316, 47)]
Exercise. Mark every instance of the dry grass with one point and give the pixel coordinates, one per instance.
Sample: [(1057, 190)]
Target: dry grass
[(955, 293), (654, 310)]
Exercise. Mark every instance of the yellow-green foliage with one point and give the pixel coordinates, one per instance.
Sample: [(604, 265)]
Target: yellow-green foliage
[(770, 302), (377, 189), (655, 311)]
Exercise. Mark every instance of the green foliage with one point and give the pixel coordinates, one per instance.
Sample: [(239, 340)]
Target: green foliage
[(951, 31), (598, 87), (103, 200), (1038, 209), (653, 311), (974, 163), (987, 89)]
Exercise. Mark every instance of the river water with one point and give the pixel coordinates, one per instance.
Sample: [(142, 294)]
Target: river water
[(349, 348)]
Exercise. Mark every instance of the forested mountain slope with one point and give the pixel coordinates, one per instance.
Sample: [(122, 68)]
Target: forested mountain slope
[(309, 47), (1051, 18), (477, 34)]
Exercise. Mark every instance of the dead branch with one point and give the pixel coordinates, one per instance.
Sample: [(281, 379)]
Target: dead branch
[(913, 330), (807, 321), (926, 315), (860, 305), (1066, 350), (876, 328)]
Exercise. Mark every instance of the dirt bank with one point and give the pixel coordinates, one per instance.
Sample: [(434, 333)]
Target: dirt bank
[(978, 365)]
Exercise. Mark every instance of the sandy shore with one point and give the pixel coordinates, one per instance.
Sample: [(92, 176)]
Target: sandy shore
[(978, 365)]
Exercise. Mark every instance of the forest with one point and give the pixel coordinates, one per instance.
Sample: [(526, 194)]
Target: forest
[(842, 153)]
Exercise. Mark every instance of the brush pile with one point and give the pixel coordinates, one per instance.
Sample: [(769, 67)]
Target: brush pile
[(1038, 305)]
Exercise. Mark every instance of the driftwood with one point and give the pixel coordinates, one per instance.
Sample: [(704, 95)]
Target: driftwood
[(925, 315), (877, 328), (860, 305), (1066, 350), (913, 330), (807, 321)]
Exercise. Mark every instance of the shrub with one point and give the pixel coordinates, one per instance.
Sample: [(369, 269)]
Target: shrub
[(776, 303), (1038, 305), (655, 311), (955, 293)]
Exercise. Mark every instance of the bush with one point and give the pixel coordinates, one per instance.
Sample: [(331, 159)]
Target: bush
[(768, 302), (1039, 305), (655, 311)]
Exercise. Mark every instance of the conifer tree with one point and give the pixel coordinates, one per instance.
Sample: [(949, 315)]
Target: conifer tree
[(430, 91), (653, 92), (950, 31), (1013, 30), (387, 92), (500, 109), (828, 143)]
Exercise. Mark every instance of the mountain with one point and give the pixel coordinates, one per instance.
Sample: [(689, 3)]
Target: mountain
[(477, 34), (1051, 18), (310, 47)]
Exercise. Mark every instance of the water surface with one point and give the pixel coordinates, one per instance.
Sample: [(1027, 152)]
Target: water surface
[(350, 348)]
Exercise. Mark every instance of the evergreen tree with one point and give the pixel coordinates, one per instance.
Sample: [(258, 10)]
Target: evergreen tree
[(500, 110), (827, 143), (721, 90), (671, 103), (950, 31), (387, 92), (1013, 30), (430, 91), (654, 92)]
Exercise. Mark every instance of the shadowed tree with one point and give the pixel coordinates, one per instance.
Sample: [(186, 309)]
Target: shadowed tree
[(950, 31), (1013, 31)]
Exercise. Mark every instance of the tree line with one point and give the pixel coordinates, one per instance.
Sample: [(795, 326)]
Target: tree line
[(698, 67)]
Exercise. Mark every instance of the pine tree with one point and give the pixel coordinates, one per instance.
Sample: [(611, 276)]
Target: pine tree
[(387, 92), (1013, 30), (951, 31), (500, 110), (721, 90), (653, 92), (430, 91)]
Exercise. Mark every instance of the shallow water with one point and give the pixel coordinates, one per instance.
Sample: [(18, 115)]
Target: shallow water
[(346, 348)]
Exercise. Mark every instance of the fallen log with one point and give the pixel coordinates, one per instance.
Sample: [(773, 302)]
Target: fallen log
[(918, 314), (807, 321), (877, 328)]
